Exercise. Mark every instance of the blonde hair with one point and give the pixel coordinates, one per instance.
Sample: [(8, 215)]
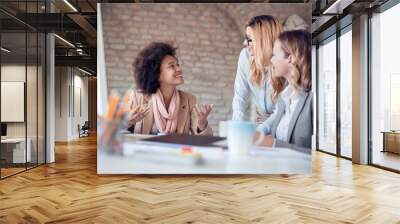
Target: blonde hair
[(266, 30), (296, 43)]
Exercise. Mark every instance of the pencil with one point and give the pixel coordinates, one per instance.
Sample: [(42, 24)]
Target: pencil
[(112, 105)]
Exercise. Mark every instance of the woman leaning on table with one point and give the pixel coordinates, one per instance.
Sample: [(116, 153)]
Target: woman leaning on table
[(253, 71), (158, 106), (291, 124)]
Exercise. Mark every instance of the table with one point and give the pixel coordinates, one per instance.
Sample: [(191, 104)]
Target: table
[(257, 161), (391, 141)]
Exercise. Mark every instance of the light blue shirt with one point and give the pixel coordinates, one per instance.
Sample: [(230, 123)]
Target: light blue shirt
[(244, 86)]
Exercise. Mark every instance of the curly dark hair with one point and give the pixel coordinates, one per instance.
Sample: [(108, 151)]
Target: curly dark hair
[(147, 66)]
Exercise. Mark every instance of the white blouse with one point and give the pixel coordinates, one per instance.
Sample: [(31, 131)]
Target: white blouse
[(290, 98)]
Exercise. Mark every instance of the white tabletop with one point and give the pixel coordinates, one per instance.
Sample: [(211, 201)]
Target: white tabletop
[(256, 161)]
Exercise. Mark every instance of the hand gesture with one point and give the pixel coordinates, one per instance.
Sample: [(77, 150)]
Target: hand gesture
[(202, 112), (137, 114)]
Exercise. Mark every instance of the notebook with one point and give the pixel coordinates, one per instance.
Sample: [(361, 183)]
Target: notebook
[(183, 140)]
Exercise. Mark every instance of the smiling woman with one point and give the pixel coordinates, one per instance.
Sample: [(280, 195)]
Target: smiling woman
[(157, 106), (252, 77), (291, 123)]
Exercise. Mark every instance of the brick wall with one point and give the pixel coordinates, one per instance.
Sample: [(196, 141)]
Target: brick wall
[(208, 36)]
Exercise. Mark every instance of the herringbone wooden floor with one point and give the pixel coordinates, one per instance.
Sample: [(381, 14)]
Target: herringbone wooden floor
[(70, 191)]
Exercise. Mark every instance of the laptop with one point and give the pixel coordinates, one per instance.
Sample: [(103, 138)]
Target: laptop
[(183, 140)]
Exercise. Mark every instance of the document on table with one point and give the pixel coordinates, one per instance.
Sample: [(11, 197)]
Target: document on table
[(193, 154)]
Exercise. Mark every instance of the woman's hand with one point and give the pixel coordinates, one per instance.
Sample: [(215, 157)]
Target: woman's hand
[(137, 114), (202, 112), (268, 141), (263, 140), (261, 117)]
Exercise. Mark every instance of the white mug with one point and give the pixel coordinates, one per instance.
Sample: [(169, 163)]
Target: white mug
[(240, 137)]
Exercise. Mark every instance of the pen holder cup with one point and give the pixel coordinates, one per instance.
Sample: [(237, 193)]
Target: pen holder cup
[(108, 139)]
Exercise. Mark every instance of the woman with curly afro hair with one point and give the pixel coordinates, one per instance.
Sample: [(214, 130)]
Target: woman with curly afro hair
[(157, 106)]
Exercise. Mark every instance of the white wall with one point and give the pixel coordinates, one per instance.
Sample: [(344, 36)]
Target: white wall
[(67, 114), (61, 103), (33, 126), (80, 83), (13, 73)]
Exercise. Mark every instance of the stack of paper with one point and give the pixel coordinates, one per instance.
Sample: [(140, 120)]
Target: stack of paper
[(177, 154)]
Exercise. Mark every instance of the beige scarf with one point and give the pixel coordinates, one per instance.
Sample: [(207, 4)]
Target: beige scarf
[(166, 120)]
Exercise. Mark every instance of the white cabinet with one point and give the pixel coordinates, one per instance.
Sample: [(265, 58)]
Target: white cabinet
[(18, 149)]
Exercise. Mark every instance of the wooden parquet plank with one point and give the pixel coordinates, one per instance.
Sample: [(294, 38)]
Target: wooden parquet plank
[(70, 191)]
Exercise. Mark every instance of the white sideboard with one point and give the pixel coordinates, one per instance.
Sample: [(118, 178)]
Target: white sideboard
[(19, 155)]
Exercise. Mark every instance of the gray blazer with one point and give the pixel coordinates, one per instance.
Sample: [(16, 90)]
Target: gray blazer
[(300, 126)]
